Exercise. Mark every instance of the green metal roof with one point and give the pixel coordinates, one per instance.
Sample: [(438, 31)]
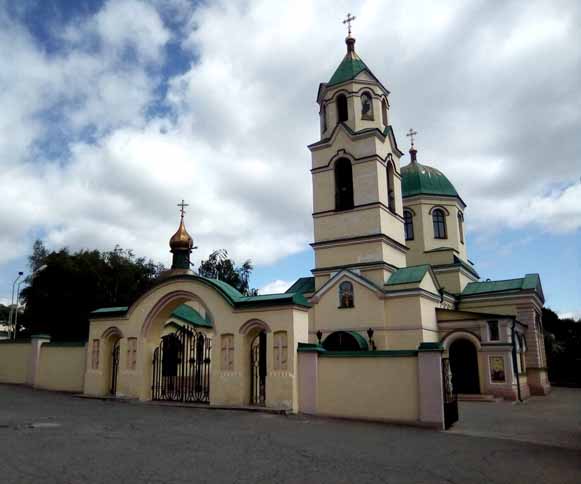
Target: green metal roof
[(189, 315), (408, 275), (233, 297), (527, 283), (418, 179), (349, 68), (116, 309), (303, 285)]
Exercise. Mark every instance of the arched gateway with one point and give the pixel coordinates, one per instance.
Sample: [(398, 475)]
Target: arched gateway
[(464, 366), (197, 339)]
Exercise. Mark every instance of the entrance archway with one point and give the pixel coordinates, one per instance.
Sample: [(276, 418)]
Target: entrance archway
[(464, 366), (114, 367), (258, 369), (181, 367), (111, 341)]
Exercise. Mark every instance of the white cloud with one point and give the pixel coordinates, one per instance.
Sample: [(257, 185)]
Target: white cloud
[(575, 315), (234, 143), (275, 287)]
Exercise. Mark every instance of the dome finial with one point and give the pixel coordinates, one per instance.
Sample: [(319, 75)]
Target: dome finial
[(350, 41), (181, 243), (413, 152)]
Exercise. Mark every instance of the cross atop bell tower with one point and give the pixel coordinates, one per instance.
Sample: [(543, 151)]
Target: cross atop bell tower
[(348, 21)]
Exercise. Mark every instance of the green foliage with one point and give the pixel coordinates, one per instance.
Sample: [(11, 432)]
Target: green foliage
[(4, 311), (220, 266), (563, 348), (59, 298)]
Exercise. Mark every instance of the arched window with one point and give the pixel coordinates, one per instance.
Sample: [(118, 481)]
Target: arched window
[(461, 226), (345, 341), (323, 118), (343, 184), (408, 223), (346, 295), (390, 192), (384, 111), (366, 106), (342, 112), (439, 219)]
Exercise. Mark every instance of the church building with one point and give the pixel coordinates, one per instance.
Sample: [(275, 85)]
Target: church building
[(393, 322)]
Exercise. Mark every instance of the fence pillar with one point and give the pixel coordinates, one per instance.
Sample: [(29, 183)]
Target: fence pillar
[(308, 356), (431, 386), (36, 342)]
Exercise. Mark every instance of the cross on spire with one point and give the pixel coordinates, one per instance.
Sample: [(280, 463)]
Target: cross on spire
[(348, 21), (411, 133), (182, 206)]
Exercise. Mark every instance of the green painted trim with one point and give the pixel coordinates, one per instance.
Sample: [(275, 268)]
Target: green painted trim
[(310, 348), (370, 354), (431, 347)]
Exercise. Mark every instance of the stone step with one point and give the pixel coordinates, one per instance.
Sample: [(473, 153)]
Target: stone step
[(464, 397)]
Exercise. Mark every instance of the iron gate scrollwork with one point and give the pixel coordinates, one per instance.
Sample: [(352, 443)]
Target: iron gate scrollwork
[(181, 367), (258, 370), (114, 368), (450, 396)]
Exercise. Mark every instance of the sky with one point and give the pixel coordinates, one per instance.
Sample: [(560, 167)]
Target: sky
[(112, 111)]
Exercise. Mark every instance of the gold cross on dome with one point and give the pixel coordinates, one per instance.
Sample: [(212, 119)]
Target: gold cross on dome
[(348, 21), (182, 206), (411, 133)]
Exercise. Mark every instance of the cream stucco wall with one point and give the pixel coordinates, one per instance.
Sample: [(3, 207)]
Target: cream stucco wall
[(424, 239), (146, 321), (61, 367), (14, 360), (370, 388)]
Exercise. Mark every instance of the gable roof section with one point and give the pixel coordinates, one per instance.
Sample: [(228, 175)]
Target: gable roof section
[(234, 297), (351, 275), (189, 315), (408, 275), (302, 285), (529, 283)]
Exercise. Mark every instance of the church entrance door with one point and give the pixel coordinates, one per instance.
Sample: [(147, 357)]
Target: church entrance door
[(181, 367), (114, 368), (464, 366), (258, 369)]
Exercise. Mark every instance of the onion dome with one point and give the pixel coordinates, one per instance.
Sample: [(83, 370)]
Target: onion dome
[(181, 240), (419, 179)]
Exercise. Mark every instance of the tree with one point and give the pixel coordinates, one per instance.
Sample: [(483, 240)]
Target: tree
[(220, 266), (563, 348), (59, 299)]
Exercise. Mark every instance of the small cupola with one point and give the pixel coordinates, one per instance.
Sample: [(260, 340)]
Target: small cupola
[(181, 243)]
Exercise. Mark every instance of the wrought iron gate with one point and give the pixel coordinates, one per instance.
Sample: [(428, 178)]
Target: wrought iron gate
[(258, 370), (181, 367), (114, 368), (450, 396)]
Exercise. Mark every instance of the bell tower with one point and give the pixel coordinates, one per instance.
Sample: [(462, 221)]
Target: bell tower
[(357, 197)]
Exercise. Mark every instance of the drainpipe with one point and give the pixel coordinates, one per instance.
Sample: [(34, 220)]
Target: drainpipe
[(514, 360)]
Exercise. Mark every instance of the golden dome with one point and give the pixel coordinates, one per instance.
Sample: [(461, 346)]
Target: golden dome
[(181, 239)]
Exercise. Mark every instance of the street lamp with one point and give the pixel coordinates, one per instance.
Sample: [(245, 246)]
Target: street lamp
[(20, 274), (41, 268)]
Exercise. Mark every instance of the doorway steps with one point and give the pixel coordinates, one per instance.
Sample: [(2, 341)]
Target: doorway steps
[(465, 397)]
